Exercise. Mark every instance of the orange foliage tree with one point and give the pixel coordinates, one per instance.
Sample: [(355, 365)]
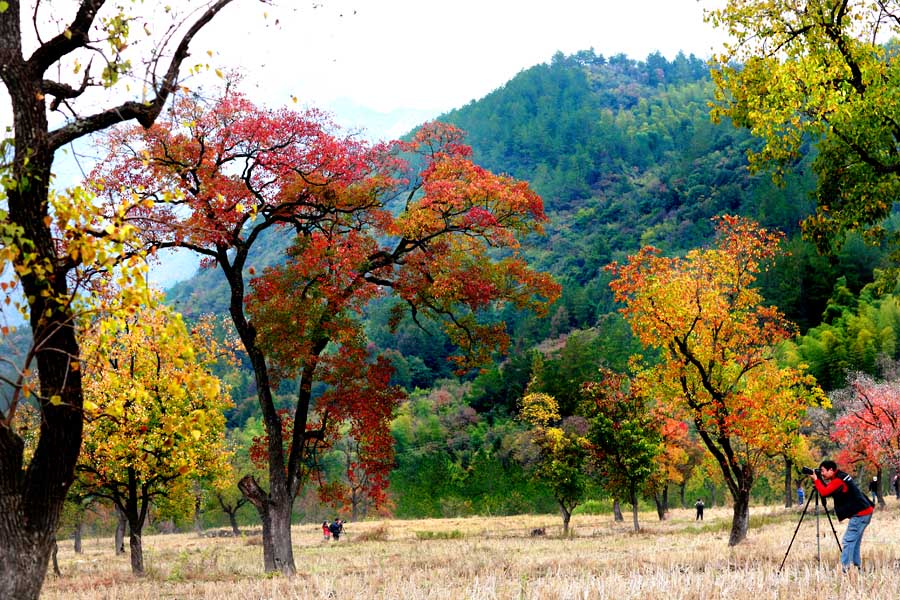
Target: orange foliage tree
[(716, 343), (437, 230)]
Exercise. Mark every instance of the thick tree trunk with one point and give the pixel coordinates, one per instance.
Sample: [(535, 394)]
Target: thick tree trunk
[(740, 518), (24, 553), (275, 513), (137, 551), (617, 511), (121, 524)]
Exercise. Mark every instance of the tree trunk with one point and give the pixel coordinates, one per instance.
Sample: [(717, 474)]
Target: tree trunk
[(275, 513), (121, 523), (634, 507), (878, 489), (137, 550), (198, 514), (617, 511), (24, 553), (741, 517), (55, 561), (660, 507), (682, 489), (76, 535), (788, 483), (232, 518), (566, 517)]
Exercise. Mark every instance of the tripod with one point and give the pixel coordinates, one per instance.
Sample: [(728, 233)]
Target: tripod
[(813, 494)]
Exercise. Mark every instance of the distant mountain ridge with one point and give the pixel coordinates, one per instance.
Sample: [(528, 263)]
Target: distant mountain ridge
[(623, 153)]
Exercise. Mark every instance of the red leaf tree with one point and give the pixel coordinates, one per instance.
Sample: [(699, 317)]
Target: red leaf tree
[(868, 427), (215, 176)]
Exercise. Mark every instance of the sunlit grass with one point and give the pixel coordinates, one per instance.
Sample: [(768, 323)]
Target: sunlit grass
[(496, 557)]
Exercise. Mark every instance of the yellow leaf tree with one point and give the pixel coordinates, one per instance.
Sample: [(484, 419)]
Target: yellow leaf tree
[(155, 415), (716, 341)]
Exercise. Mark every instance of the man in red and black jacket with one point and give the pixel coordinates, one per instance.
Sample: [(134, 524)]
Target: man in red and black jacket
[(850, 502)]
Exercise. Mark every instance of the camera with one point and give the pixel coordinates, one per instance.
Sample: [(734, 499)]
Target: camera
[(808, 471)]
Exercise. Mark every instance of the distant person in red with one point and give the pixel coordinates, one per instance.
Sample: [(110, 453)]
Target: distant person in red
[(326, 531), (849, 502)]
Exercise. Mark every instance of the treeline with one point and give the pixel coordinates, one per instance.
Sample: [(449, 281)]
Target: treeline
[(624, 154)]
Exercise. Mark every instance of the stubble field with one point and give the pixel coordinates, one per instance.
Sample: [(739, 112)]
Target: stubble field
[(497, 558)]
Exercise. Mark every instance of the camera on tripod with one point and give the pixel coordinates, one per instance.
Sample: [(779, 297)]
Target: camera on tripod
[(808, 471)]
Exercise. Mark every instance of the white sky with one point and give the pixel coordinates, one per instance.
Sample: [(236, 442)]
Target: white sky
[(433, 56)]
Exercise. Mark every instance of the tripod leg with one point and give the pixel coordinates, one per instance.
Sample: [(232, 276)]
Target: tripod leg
[(796, 529), (833, 530)]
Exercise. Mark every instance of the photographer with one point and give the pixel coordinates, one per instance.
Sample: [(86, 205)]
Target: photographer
[(850, 502)]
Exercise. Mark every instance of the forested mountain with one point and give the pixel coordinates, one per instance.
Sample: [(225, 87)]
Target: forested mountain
[(624, 154)]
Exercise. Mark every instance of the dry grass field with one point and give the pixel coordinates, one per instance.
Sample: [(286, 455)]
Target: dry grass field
[(496, 558)]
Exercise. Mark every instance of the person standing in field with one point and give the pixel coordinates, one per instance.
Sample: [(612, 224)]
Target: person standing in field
[(873, 489), (326, 531), (849, 502), (337, 528), (897, 485), (699, 506), (800, 493)]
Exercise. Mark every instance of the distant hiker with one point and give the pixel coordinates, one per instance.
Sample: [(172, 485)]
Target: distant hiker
[(699, 506), (337, 528), (326, 531), (897, 486), (873, 490), (800, 493)]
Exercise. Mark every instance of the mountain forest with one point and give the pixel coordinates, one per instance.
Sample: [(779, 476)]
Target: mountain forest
[(609, 284)]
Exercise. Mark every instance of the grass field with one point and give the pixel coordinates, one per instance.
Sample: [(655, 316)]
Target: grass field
[(496, 558)]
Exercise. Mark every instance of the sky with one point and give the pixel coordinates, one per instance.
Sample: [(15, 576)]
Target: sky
[(385, 66), (420, 58)]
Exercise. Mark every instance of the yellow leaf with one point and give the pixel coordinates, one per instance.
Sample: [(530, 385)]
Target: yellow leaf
[(55, 400)]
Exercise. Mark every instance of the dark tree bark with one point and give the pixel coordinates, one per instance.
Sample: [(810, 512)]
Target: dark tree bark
[(617, 511), (32, 495)]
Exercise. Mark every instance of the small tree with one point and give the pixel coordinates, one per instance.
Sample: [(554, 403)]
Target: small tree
[(563, 452), (156, 420), (624, 434)]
